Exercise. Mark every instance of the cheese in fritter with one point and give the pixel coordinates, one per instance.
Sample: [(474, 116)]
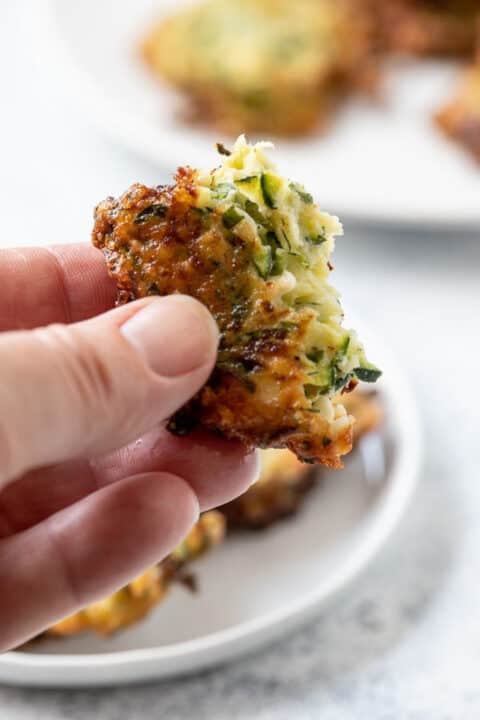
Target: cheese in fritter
[(255, 248), (271, 66)]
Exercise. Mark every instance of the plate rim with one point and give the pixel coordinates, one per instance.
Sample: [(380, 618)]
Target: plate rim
[(211, 649)]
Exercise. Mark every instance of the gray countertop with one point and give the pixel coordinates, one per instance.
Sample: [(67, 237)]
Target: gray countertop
[(403, 641)]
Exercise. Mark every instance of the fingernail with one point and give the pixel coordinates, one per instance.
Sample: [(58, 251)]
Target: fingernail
[(174, 334)]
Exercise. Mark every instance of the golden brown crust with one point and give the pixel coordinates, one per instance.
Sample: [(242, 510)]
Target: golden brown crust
[(157, 242)]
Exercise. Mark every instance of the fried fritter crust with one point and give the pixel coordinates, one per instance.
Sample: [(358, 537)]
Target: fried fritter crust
[(190, 252), (460, 118), (134, 601), (427, 27)]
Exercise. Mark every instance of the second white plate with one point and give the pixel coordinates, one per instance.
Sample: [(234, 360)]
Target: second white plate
[(383, 162)]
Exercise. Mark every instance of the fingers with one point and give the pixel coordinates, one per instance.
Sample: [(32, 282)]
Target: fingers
[(217, 470), (63, 283), (81, 390), (89, 550)]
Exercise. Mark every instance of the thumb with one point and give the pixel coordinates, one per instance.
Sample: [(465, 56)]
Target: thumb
[(88, 388)]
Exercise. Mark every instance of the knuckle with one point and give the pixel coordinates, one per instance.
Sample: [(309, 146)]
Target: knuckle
[(87, 374)]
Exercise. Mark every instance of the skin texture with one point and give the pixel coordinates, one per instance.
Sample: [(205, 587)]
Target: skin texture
[(156, 242), (92, 488)]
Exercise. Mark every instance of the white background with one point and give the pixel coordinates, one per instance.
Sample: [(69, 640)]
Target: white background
[(403, 641)]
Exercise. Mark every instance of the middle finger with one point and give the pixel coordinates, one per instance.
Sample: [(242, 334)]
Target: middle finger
[(217, 470)]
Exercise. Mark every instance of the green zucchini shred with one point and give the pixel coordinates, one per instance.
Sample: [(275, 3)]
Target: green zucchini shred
[(270, 185), (156, 210), (232, 217), (279, 261), (315, 355), (301, 259), (263, 260), (368, 374), (316, 239), (311, 391), (302, 194), (254, 211)]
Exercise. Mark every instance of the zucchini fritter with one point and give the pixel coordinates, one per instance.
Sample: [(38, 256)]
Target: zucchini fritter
[(255, 249), (285, 482), (460, 118), (428, 27), (134, 601), (270, 66)]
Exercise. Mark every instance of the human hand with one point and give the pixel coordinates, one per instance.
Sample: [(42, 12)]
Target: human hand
[(93, 489)]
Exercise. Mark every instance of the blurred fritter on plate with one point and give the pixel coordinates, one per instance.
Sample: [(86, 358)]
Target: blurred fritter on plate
[(428, 27), (268, 66), (460, 117)]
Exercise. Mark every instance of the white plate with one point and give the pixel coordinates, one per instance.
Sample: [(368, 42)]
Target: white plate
[(378, 163), (257, 587)]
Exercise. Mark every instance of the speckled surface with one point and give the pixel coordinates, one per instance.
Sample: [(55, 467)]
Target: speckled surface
[(403, 641)]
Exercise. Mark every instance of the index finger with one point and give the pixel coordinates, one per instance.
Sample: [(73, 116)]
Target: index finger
[(56, 284)]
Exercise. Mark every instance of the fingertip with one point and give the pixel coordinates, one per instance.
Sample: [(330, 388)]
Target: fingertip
[(217, 469), (175, 335)]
